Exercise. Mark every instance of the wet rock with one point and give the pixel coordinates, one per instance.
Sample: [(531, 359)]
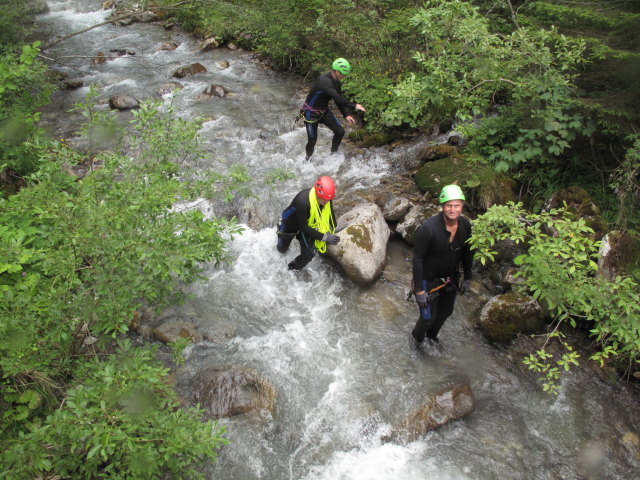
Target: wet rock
[(189, 70), (215, 91), (123, 102), (167, 88), (36, 7), (146, 17), (209, 44), (361, 251), (436, 152), (222, 64), (393, 207), (121, 52), (448, 405), (507, 315), (619, 254), (225, 392), (414, 219), (109, 4), (99, 59), (71, 84), (171, 331), (233, 46), (167, 46)]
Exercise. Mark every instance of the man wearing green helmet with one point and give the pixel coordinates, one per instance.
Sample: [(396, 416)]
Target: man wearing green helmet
[(316, 107), (440, 246)]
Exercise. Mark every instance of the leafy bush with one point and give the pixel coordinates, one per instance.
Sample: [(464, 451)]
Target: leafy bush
[(120, 419), (79, 257), (560, 270)]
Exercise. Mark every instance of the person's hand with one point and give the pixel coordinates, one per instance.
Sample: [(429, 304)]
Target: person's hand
[(360, 107), (329, 238), (463, 287), (350, 120), (422, 299)]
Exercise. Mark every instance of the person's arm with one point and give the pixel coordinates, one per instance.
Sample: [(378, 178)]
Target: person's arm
[(326, 85), (421, 244), (467, 253)]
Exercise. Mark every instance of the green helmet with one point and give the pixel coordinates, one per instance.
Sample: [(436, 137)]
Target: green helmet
[(341, 65), (451, 192)]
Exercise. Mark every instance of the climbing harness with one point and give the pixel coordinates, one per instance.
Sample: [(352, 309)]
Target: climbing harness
[(445, 282)]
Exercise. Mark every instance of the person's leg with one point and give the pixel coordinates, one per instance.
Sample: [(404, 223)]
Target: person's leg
[(332, 122), (421, 328), (307, 251), (441, 309), (312, 134), (284, 239)]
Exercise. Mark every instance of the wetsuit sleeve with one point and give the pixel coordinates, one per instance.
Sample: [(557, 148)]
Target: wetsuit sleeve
[(302, 215), (326, 85), (467, 254), (422, 241)]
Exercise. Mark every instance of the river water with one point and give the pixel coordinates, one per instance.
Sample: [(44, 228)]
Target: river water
[(337, 354)]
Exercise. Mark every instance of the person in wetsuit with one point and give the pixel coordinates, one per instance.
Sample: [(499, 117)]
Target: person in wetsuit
[(310, 219), (316, 107), (440, 246)]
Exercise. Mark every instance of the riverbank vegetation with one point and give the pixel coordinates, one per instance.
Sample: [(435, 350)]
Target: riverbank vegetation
[(87, 240)]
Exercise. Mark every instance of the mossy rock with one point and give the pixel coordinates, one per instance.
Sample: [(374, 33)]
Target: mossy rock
[(507, 315), (579, 203), (366, 139), (482, 185)]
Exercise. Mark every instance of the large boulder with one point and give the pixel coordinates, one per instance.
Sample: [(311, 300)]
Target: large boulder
[(619, 254), (225, 392), (363, 243), (448, 405), (393, 206), (579, 202), (507, 315)]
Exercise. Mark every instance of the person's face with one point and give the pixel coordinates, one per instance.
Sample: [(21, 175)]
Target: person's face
[(337, 75), (322, 201), (452, 209)]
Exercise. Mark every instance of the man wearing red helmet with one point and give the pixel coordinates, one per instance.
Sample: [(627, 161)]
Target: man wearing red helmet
[(310, 219)]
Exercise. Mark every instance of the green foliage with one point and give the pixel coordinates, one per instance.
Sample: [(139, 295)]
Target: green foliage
[(119, 420), (13, 22), (23, 89), (626, 185), (79, 257), (560, 270)]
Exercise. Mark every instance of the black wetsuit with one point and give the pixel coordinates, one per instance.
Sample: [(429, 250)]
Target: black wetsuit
[(316, 111), (436, 258), (295, 223)]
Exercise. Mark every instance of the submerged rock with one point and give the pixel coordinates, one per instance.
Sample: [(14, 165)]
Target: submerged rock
[(448, 405), (123, 102), (169, 332), (225, 392), (189, 70)]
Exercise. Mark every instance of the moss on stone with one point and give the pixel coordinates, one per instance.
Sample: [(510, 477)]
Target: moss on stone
[(361, 237)]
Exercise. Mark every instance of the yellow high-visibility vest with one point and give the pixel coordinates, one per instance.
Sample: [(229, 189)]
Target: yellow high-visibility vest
[(320, 219)]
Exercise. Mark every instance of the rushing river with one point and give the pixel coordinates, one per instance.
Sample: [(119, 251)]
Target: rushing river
[(337, 354)]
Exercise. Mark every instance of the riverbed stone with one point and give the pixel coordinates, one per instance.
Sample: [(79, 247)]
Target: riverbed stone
[(445, 406), (209, 44), (36, 7), (99, 59), (507, 315), (393, 207), (171, 331), (167, 46), (123, 102), (189, 70), (167, 88), (226, 392), (414, 219), (361, 251), (215, 91)]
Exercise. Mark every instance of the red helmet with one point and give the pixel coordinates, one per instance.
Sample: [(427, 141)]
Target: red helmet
[(325, 188)]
